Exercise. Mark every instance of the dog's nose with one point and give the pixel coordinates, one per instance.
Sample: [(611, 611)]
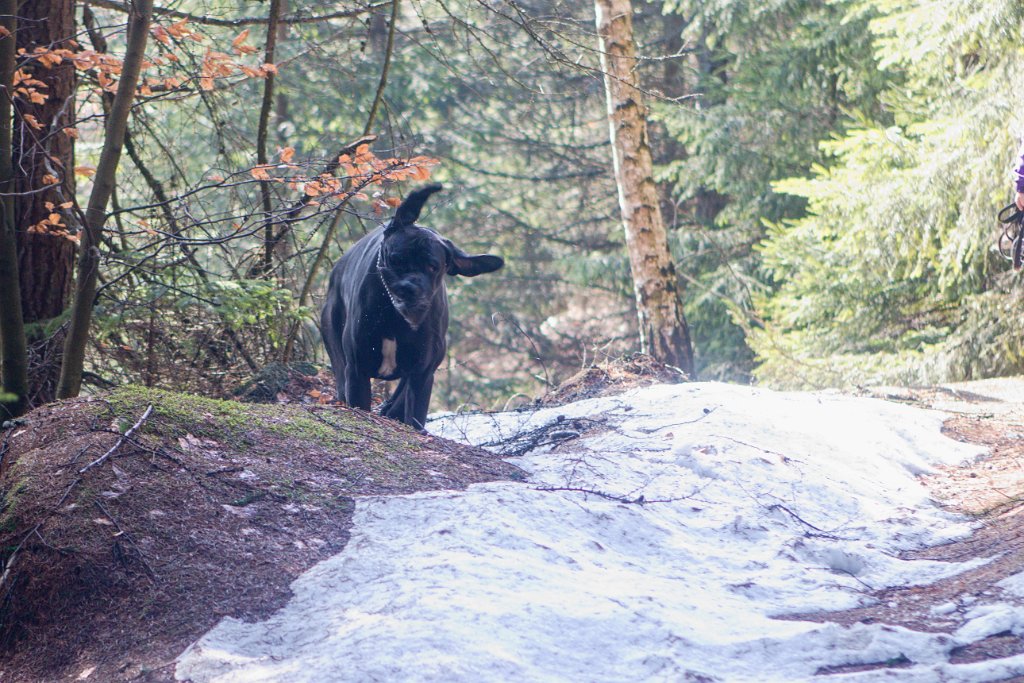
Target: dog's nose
[(405, 289)]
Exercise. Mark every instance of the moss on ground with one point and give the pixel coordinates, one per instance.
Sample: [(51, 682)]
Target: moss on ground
[(177, 415), (9, 511)]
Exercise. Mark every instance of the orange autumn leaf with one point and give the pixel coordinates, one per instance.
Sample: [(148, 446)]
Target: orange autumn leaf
[(160, 33), (420, 173), (178, 29), (66, 205), (287, 154), (393, 201), (71, 132), (260, 172), (85, 171), (49, 59), (238, 44), (32, 121), (363, 154), (330, 184), (49, 179)]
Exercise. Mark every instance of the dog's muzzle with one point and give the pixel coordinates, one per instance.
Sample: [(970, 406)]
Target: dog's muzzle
[(413, 312)]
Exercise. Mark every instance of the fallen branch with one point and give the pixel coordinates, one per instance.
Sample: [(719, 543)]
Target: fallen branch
[(128, 537), (121, 440), (639, 500), (783, 508), (652, 430)]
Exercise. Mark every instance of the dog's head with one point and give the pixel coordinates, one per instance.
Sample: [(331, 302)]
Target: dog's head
[(413, 260)]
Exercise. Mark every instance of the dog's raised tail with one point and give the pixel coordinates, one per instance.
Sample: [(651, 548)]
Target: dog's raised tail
[(409, 210)]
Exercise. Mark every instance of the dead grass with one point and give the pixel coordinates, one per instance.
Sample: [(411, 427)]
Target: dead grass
[(212, 509), (613, 377)]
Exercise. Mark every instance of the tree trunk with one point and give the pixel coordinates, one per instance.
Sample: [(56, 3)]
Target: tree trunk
[(14, 361), (262, 135), (711, 78), (45, 258), (140, 14), (663, 332), (668, 77)]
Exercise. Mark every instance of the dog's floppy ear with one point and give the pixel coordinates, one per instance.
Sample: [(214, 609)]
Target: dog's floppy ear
[(409, 210), (461, 263)]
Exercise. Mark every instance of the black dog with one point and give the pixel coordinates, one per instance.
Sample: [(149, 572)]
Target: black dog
[(386, 313)]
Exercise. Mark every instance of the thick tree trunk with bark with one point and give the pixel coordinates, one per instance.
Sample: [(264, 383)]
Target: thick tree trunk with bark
[(139, 19), (663, 331), (45, 258), (13, 357)]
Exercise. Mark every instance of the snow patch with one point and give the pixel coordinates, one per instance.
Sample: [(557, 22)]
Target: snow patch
[(663, 544)]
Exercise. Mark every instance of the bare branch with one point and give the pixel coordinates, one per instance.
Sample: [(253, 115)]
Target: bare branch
[(244, 21), (121, 440)]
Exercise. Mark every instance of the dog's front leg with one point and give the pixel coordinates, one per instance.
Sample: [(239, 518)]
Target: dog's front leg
[(357, 388), (394, 407), (417, 400)]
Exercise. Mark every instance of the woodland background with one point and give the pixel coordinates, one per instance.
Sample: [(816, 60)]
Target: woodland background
[(829, 171)]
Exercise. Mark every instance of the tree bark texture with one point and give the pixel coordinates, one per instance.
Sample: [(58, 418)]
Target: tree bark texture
[(663, 331), (139, 19), (45, 259), (13, 355)]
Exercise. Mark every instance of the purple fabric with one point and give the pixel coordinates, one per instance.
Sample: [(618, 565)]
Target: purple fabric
[(1020, 172)]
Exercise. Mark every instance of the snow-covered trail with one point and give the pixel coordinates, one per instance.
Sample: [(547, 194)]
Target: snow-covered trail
[(658, 545)]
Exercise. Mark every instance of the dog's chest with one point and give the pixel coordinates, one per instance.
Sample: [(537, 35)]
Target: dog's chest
[(388, 363)]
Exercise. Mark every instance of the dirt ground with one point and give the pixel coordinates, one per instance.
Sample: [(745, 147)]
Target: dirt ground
[(119, 552)]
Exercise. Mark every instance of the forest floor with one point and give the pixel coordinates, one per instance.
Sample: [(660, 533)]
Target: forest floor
[(120, 552), (114, 561)]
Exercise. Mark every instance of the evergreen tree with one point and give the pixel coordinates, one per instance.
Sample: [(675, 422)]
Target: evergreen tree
[(770, 81), (893, 276)]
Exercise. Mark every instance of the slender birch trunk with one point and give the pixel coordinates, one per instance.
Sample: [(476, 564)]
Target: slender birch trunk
[(14, 360), (663, 331), (139, 17)]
